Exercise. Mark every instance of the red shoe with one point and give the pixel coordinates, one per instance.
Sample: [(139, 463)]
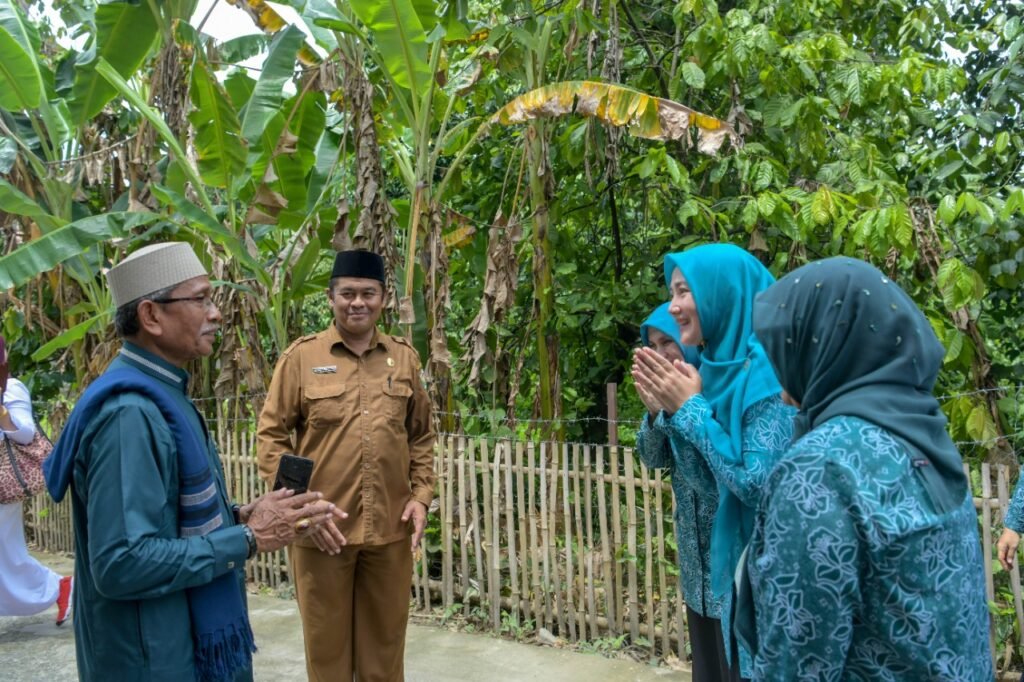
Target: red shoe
[(67, 586)]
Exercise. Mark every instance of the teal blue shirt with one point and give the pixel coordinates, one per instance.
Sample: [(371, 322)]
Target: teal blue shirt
[(660, 446), (131, 569), (854, 574)]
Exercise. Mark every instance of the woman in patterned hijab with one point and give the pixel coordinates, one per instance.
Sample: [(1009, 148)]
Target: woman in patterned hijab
[(865, 561)]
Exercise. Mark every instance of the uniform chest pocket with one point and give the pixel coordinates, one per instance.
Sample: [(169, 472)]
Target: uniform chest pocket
[(396, 401), (325, 404)]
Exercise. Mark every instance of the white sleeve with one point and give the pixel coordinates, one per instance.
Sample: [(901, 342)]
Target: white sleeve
[(19, 404)]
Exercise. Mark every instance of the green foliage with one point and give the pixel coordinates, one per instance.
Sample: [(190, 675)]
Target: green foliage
[(864, 134), (220, 149), (124, 36)]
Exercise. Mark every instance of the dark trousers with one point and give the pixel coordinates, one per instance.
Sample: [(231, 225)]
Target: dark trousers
[(708, 649)]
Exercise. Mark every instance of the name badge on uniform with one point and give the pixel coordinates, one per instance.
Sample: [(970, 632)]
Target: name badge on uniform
[(326, 369)]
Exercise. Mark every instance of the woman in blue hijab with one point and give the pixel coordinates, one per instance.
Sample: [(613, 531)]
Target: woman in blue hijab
[(731, 409), (865, 561), (660, 445)]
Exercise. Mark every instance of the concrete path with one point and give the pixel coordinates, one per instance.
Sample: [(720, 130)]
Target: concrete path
[(32, 648)]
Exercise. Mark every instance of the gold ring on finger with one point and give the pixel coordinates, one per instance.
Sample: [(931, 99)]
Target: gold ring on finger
[(301, 525)]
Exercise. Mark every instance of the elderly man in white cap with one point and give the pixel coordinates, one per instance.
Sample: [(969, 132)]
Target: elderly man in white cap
[(160, 549)]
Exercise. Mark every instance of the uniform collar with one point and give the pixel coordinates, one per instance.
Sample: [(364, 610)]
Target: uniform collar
[(154, 366), (334, 338)]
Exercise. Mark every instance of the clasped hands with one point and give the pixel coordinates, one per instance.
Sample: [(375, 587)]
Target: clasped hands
[(661, 384), (277, 518)]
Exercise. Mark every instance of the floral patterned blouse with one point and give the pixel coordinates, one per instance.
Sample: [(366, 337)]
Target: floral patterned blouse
[(767, 432), (660, 446), (1015, 514), (855, 576)]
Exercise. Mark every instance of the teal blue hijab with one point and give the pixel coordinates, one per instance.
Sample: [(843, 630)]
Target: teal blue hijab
[(735, 371), (661, 320), (846, 340)]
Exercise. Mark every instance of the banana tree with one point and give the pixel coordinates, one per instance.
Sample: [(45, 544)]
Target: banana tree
[(256, 157), (263, 162), (48, 122), (403, 44)]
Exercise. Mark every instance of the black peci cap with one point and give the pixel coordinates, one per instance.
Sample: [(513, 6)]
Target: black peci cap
[(359, 263)]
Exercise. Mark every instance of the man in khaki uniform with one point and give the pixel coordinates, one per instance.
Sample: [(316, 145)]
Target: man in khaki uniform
[(353, 398)]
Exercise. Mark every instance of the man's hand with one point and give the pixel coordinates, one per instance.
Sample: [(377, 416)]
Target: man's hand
[(278, 517), (1007, 548), (327, 537), (417, 511), (245, 511)]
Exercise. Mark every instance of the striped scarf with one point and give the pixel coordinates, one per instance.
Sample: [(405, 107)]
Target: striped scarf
[(223, 640)]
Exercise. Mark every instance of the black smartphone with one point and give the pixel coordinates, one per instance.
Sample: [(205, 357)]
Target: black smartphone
[(293, 472)]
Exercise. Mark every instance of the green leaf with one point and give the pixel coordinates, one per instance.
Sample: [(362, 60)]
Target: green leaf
[(339, 26), (692, 75), (985, 213), (959, 285), (853, 88), (400, 39), (822, 207), (686, 211), (901, 225), (67, 338), (949, 169), (426, 10), (20, 85), (948, 210), (15, 23), (674, 171), (125, 34), (954, 346), (243, 47), (749, 215), (1002, 142), (767, 203), (239, 87), (15, 202), (43, 254), (764, 175), (305, 265), (266, 98), (220, 149), (980, 426)]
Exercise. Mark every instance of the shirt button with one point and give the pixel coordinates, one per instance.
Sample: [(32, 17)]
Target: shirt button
[(366, 438), (366, 412), (231, 564)]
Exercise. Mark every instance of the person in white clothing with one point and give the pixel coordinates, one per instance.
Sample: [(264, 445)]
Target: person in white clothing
[(26, 586)]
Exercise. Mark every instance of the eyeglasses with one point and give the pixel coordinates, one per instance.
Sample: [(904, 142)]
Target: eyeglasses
[(205, 300)]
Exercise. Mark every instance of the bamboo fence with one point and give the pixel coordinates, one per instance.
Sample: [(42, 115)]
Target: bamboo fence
[(573, 538)]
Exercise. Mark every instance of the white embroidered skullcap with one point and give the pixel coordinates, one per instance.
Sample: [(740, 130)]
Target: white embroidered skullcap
[(153, 268)]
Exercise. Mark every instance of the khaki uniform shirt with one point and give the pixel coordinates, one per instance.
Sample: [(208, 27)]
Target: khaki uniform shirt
[(365, 421)]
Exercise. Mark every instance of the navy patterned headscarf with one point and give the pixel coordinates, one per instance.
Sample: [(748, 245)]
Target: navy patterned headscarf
[(846, 340)]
